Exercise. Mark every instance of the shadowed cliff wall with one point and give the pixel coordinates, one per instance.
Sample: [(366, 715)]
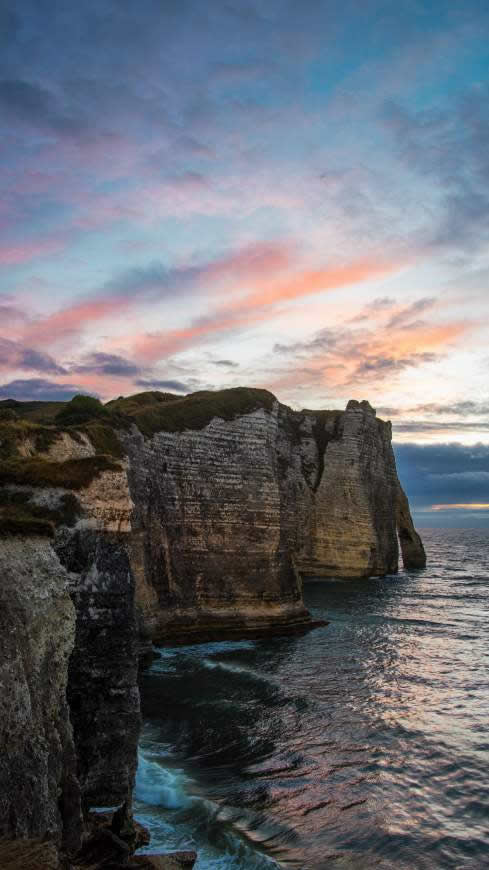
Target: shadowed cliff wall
[(39, 790)]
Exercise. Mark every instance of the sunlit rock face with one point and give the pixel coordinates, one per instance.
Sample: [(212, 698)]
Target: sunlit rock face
[(341, 490), (210, 551), (227, 517)]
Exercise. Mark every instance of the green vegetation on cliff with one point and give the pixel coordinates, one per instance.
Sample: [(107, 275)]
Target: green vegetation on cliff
[(99, 422), (163, 412), (131, 405), (14, 432), (36, 411), (71, 474), (151, 412), (83, 414), (21, 515), (18, 521)]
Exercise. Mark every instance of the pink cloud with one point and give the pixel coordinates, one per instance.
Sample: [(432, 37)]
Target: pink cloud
[(257, 306), (259, 259), (74, 320)]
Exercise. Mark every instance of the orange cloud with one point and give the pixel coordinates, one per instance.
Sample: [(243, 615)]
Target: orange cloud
[(136, 286), (257, 306), (317, 281), (259, 269), (346, 358), (426, 337), (475, 506)]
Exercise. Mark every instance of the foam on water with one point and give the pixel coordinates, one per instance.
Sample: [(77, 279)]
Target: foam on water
[(160, 786), (244, 673)]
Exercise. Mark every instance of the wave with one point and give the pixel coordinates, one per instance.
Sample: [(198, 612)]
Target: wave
[(167, 803), (160, 786), (247, 673)]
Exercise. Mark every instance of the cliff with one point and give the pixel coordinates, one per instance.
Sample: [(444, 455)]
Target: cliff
[(210, 552), (234, 503), (69, 636), (164, 518)]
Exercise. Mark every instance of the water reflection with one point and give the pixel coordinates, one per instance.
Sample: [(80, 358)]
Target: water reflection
[(362, 744)]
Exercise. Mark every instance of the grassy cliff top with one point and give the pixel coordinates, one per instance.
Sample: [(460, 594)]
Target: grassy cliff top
[(151, 412), (37, 412), (27, 433), (27, 424), (29, 429), (163, 412), (162, 407)]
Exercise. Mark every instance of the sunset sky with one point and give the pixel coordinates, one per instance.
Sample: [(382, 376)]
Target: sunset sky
[(291, 195)]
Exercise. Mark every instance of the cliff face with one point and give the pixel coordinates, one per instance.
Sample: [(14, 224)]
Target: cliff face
[(210, 551), (340, 488), (102, 688), (413, 553), (39, 790), (70, 638), (228, 516), (179, 520)]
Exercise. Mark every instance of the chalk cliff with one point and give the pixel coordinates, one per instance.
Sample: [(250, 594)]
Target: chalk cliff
[(231, 510), (164, 518)]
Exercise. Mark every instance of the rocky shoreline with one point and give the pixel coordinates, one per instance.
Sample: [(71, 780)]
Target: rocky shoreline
[(166, 520)]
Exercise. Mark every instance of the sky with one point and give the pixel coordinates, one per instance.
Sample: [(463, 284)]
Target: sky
[(290, 194)]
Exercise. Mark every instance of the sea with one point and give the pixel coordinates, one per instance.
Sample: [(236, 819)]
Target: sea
[(362, 744)]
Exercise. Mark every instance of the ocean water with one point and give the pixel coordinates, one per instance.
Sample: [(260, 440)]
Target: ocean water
[(361, 744)]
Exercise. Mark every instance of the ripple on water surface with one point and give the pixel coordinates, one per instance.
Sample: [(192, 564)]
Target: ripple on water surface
[(362, 744)]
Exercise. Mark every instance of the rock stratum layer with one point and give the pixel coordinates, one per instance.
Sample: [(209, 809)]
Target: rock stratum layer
[(166, 519)]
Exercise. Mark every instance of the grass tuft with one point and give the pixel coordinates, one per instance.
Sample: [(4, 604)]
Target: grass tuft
[(103, 437), (80, 410), (14, 431)]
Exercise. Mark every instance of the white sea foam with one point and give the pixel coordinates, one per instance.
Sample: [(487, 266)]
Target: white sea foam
[(236, 669), (160, 786)]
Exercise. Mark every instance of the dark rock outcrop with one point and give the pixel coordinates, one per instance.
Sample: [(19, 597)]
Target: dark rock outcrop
[(102, 687), (413, 552), (71, 699), (39, 790), (28, 854)]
